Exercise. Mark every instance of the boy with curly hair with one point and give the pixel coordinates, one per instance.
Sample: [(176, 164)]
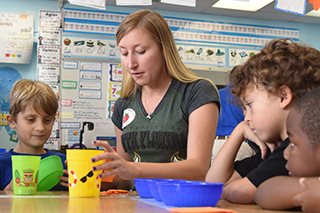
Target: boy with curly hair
[(33, 107), (302, 155), (268, 84)]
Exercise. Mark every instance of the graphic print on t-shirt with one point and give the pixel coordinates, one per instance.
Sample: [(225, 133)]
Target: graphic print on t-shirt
[(175, 157), (137, 157), (128, 116)]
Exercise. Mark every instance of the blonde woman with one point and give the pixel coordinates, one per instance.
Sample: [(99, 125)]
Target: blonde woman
[(166, 117)]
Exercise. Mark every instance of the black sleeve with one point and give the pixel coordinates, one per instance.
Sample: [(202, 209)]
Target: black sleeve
[(245, 166), (271, 167)]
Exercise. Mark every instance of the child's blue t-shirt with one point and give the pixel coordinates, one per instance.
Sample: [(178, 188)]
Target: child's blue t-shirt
[(6, 167)]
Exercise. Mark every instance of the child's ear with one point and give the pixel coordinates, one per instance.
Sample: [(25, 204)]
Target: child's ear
[(11, 121), (286, 96)]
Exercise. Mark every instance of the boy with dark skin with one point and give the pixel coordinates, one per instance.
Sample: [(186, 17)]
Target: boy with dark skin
[(303, 160)]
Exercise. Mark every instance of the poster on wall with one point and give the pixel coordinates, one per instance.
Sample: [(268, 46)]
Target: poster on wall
[(75, 46), (49, 55), (8, 77), (239, 56), (202, 55), (115, 83), (16, 37), (84, 98), (50, 19), (49, 73), (199, 42), (50, 37), (49, 63)]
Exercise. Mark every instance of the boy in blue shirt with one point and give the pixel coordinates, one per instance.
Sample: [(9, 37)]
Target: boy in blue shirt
[(33, 106), (229, 117), (268, 84)]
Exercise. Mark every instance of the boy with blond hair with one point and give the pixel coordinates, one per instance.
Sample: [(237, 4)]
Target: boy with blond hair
[(268, 84), (33, 106), (303, 160)]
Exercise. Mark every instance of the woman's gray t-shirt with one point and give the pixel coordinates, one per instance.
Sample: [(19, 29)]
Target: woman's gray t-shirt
[(163, 137)]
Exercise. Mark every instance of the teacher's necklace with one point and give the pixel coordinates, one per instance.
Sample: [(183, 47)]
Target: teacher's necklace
[(146, 107), (160, 97)]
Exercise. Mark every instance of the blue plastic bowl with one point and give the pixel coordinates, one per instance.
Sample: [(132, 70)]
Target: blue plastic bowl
[(190, 193), (142, 186), (154, 189)]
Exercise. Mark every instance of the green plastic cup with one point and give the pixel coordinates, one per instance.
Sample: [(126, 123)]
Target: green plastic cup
[(25, 171)]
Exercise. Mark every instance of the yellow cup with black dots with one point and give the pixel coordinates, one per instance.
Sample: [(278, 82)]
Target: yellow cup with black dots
[(83, 182)]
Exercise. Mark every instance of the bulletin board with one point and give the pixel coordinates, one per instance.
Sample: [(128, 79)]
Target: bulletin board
[(49, 63), (89, 89), (91, 77), (200, 43), (84, 71), (91, 73)]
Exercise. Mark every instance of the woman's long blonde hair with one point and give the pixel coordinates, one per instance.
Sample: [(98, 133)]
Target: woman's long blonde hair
[(156, 26)]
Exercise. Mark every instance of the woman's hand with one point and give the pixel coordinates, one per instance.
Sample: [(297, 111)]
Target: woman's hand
[(116, 164)]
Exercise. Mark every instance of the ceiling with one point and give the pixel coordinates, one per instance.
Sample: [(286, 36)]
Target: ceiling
[(205, 7)]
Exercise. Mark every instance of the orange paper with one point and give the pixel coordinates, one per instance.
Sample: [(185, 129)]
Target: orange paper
[(108, 178), (114, 191), (200, 210), (315, 3)]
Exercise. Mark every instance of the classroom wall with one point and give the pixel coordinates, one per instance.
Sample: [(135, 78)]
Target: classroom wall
[(308, 34)]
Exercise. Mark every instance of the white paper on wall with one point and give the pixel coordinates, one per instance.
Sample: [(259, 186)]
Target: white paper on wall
[(291, 6), (134, 2), (16, 37), (98, 4), (190, 3)]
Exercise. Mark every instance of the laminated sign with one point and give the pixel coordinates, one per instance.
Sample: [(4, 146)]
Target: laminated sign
[(16, 37)]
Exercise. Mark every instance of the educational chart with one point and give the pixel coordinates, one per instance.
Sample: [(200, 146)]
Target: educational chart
[(188, 30), (239, 56), (50, 19), (16, 37), (90, 47), (49, 63), (89, 90), (202, 54), (200, 43)]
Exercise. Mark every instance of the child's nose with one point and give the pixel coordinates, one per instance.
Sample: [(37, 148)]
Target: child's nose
[(247, 118), (40, 126)]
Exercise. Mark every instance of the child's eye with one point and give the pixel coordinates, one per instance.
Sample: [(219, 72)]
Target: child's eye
[(124, 54), (291, 144), (248, 104), (48, 120)]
